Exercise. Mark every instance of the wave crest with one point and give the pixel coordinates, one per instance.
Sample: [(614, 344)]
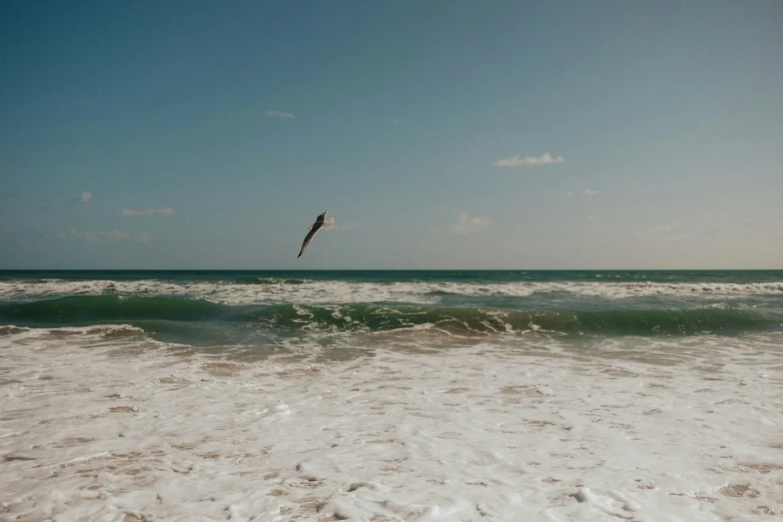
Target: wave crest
[(270, 291)]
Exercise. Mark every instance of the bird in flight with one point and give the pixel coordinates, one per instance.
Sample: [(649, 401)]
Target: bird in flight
[(314, 228)]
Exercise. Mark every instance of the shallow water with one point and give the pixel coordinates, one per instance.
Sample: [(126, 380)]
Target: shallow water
[(117, 426)]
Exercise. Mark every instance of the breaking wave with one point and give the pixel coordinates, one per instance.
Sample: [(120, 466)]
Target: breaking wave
[(371, 317)]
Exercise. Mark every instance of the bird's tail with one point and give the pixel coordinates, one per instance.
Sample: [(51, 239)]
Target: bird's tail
[(329, 223)]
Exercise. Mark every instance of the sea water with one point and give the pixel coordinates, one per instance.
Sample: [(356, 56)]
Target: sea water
[(391, 395)]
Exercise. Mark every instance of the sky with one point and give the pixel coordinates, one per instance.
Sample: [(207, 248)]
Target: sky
[(439, 134)]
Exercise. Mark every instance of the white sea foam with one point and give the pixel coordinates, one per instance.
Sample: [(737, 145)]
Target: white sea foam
[(96, 427), (318, 292)]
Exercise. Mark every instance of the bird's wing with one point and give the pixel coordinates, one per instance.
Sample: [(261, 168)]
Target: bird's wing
[(309, 237), (321, 217)]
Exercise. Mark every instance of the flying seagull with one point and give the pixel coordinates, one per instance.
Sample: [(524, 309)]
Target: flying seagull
[(318, 225)]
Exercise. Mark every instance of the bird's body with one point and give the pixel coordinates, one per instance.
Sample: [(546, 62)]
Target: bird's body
[(320, 223)]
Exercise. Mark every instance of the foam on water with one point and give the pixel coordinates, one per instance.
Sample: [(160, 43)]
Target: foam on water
[(102, 423), (317, 291)]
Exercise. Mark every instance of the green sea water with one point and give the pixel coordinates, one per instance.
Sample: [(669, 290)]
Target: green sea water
[(271, 309)]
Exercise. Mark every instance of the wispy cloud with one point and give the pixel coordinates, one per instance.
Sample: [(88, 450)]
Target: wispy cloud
[(663, 233), (85, 197), (585, 193), (279, 114), (518, 161), (466, 224), (104, 236), (128, 212)]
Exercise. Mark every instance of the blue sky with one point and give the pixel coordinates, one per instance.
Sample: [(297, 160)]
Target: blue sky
[(449, 134)]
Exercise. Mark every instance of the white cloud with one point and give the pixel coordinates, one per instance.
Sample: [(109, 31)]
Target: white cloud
[(466, 224), (92, 237), (593, 219), (113, 235), (104, 236), (127, 212), (279, 114), (517, 161), (85, 197)]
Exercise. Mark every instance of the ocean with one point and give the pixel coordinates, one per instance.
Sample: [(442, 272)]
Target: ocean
[(391, 395)]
